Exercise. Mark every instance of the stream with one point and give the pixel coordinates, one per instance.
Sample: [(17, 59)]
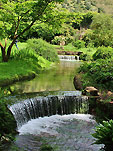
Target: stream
[(49, 111)]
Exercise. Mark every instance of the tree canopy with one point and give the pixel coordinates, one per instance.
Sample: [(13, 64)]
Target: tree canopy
[(18, 16)]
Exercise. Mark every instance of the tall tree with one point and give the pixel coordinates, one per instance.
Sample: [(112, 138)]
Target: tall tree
[(18, 16)]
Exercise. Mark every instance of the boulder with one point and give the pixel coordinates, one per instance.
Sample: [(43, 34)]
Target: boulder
[(61, 52), (77, 83), (91, 91)]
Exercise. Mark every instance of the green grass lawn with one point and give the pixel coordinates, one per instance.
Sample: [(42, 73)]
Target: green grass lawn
[(13, 68), (16, 70)]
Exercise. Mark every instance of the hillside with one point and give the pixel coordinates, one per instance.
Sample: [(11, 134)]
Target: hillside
[(105, 6)]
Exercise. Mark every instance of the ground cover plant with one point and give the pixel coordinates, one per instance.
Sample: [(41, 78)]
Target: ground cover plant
[(103, 53), (99, 74), (104, 135)]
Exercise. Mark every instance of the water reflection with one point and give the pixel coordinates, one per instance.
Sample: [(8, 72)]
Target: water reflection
[(58, 78)]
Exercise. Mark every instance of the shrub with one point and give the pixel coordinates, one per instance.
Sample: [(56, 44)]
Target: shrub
[(58, 39), (64, 40), (42, 48), (46, 147), (103, 53), (104, 135), (7, 121), (79, 44), (30, 56), (99, 73), (85, 57)]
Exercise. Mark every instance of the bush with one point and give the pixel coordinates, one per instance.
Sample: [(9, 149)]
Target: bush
[(58, 40), (103, 53), (99, 73), (30, 56), (46, 147), (7, 121), (101, 30), (62, 40), (79, 44), (42, 48), (85, 57), (104, 135)]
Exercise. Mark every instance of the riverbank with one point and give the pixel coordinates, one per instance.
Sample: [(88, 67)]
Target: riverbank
[(99, 71), (24, 64), (14, 71), (11, 72), (32, 57)]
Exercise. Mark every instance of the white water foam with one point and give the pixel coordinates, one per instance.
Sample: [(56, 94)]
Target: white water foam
[(49, 124)]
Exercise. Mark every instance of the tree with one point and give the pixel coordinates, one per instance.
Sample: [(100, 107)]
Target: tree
[(102, 30), (18, 16)]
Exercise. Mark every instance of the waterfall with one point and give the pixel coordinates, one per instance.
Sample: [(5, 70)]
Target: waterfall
[(77, 58), (46, 106), (68, 57)]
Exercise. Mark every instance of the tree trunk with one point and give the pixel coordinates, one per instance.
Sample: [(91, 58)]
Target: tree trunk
[(4, 56), (10, 47)]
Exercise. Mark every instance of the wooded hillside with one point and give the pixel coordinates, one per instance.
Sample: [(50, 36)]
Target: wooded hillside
[(105, 6)]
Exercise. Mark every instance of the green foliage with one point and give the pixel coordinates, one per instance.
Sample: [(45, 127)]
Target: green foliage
[(46, 148), (80, 5), (48, 26), (85, 57), (87, 19), (101, 31), (59, 39), (33, 58), (62, 40), (104, 134), (42, 48), (79, 44), (19, 15), (103, 53), (7, 122), (99, 73)]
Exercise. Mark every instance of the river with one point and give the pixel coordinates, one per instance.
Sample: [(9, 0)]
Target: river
[(58, 78), (52, 114)]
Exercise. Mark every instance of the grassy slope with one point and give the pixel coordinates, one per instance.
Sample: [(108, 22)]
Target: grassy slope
[(20, 68), (14, 71), (13, 68)]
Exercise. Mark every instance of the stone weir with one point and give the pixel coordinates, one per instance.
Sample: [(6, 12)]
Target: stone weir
[(69, 55), (46, 106)]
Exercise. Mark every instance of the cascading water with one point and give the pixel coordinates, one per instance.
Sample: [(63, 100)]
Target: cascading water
[(46, 106), (59, 117), (68, 57)]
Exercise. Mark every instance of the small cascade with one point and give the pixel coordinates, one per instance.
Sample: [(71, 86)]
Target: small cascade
[(46, 106), (77, 58), (68, 57)]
